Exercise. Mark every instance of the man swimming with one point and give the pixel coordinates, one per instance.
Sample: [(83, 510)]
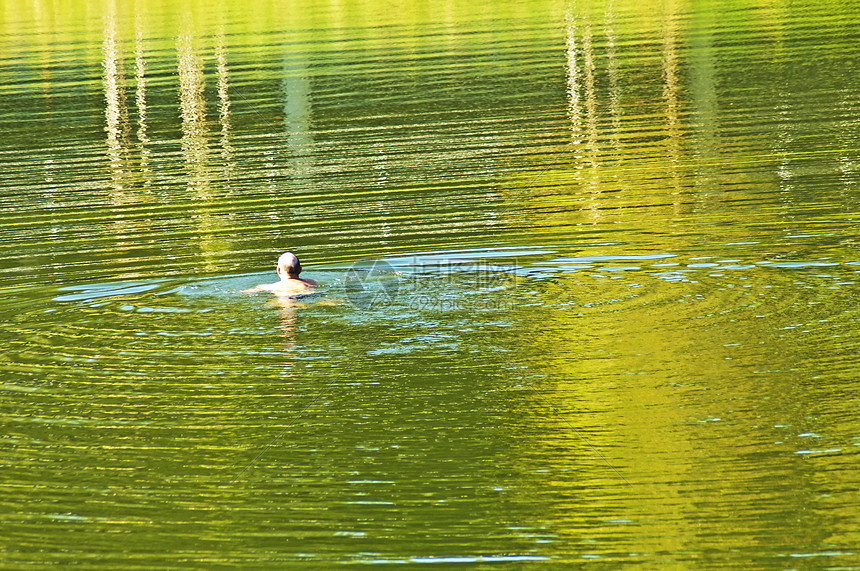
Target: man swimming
[(291, 285)]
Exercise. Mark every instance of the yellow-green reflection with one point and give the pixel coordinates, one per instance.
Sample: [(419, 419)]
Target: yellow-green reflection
[(670, 93), (195, 130), (224, 105), (116, 106), (612, 74), (140, 100)]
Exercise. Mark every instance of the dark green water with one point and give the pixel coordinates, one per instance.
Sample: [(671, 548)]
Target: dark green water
[(617, 323)]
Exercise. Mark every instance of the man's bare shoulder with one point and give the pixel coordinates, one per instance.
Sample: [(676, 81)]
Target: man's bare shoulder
[(286, 287)]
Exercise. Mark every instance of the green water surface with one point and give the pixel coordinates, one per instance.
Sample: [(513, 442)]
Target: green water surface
[(612, 320)]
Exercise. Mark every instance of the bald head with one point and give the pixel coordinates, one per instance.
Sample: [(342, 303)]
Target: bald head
[(289, 264)]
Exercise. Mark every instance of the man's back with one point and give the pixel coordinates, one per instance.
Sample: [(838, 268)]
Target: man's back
[(287, 287), (293, 286)]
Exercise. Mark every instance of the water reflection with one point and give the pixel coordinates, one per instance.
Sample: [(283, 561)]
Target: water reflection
[(228, 164), (140, 100), (590, 96), (670, 97), (784, 101), (116, 104), (573, 80), (296, 87), (288, 310), (704, 97), (192, 104), (42, 34), (612, 74), (580, 81), (583, 101), (196, 135)]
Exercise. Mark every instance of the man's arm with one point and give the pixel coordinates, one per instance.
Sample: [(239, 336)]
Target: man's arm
[(255, 289)]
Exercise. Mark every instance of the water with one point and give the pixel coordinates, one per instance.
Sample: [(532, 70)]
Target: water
[(612, 317)]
